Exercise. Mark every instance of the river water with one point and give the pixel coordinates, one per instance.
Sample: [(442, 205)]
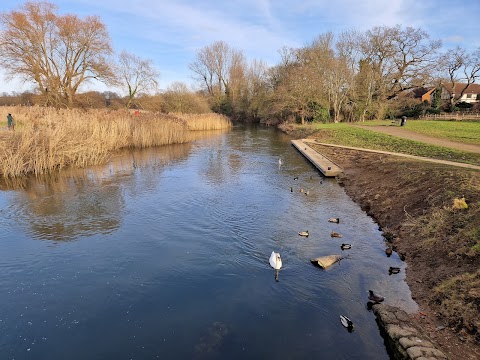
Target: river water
[(163, 253)]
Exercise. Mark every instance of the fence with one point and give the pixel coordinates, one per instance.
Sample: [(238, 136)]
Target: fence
[(452, 116)]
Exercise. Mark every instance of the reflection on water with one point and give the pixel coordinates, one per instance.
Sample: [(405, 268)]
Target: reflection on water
[(81, 202), (170, 258)]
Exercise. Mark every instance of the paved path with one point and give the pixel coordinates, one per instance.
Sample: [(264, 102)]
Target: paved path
[(403, 132), (445, 162)]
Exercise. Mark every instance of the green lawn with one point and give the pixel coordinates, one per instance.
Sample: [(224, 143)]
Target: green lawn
[(344, 134), (461, 131)]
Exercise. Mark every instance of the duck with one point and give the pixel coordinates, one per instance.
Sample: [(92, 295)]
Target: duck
[(388, 251), (295, 178), (334, 220), (291, 189), (335, 234), (393, 270), (275, 260), (345, 246), (304, 233), (307, 192), (346, 322), (301, 190), (375, 298)]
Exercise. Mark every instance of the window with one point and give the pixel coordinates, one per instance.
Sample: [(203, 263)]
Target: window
[(469, 96)]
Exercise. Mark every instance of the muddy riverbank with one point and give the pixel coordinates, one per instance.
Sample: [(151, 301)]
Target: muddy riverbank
[(413, 203)]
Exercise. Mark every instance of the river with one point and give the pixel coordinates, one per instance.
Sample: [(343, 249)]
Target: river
[(163, 253)]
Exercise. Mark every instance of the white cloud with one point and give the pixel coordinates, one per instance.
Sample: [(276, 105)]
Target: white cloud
[(454, 39)]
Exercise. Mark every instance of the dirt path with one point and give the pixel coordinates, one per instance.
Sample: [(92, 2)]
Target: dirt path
[(403, 132)]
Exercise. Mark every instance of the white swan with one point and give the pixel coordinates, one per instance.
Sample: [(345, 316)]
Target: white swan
[(275, 261)]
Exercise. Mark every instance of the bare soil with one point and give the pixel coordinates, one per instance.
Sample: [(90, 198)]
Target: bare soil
[(412, 203)]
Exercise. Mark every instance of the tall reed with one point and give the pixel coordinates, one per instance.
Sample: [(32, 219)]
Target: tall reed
[(208, 121), (46, 139)]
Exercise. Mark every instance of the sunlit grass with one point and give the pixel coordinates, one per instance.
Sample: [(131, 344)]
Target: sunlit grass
[(344, 134), (461, 131), (46, 139)]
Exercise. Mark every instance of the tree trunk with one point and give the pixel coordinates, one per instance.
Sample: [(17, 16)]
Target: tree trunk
[(69, 99)]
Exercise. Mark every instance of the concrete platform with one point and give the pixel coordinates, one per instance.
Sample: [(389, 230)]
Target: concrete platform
[(327, 167)]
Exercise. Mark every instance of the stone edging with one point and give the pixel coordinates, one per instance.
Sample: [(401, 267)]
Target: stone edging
[(404, 341)]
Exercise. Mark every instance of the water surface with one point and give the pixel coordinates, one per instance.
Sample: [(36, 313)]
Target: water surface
[(163, 253)]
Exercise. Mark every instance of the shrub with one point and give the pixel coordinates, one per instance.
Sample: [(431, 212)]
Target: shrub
[(433, 111), (463, 105), (319, 113), (459, 204)]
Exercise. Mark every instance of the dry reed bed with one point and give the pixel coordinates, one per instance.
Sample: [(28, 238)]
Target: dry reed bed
[(209, 121), (47, 139)]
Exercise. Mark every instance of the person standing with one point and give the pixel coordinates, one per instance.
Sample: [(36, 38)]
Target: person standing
[(403, 122), (10, 122)]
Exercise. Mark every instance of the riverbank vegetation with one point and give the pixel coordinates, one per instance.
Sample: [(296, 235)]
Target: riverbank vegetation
[(47, 139), (352, 76), (204, 122), (430, 214)]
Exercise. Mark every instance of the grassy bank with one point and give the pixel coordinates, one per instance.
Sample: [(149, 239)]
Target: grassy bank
[(344, 134), (467, 132), (46, 139)]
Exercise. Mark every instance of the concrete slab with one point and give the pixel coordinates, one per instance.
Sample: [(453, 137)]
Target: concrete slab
[(327, 167)]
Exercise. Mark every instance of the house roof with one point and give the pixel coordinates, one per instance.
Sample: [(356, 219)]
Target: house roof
[(419, 92), (427, 95), (471, 89)]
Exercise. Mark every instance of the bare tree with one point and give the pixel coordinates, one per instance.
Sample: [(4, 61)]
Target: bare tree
[(203, 69), (221, 71), (333, 72), (256, 88), (296, 84), (137, 75), (364, 89), (217, 66), (402, 58), (58, 53), (462, 69)]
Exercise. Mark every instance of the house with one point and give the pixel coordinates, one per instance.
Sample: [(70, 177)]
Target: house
[(428, 96), (470, 95)]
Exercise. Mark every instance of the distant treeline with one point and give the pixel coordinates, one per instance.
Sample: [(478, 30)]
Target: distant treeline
[(351, 76), (178, 99)]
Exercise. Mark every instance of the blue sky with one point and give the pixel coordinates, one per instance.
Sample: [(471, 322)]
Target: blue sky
[(170, 31)]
